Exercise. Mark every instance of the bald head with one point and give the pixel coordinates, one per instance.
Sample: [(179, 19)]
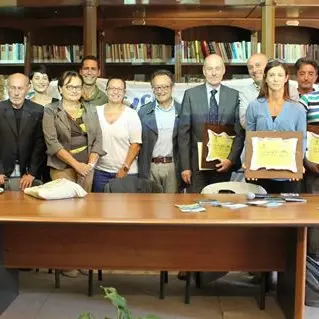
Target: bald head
[(256, 65), (18, 87), (214, 69)]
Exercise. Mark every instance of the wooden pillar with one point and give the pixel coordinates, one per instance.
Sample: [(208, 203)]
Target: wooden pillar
[(102, 53), (28, 56), (90, 27), (178, 56), (268, 28)]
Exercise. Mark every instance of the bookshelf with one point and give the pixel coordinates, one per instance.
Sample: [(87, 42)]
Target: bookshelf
[(139, 34), (12, 50), (232, 43), (135, 52), (60, 51), (293, 42)]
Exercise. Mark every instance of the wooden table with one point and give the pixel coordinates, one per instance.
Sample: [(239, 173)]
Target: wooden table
[(146, 232)]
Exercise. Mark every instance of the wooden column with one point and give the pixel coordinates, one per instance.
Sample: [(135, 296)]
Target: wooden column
[(90, 27), (268, 28), (178, 56), (28, 56), (101, 54)]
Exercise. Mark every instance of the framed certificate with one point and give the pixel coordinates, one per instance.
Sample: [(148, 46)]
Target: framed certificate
[(272, 154), (312, 154), (217, 144)]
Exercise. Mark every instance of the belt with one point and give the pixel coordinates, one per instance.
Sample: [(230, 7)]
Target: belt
[(163, 160)]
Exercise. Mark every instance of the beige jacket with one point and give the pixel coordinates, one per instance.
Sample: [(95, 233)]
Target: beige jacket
[(57, 132)]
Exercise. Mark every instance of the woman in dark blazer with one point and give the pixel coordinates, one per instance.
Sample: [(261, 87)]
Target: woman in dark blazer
[(72, 133)]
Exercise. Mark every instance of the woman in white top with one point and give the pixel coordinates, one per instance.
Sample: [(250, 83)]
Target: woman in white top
[(121, 134)]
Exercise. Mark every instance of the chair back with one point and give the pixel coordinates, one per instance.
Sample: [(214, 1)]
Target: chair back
[(13, 184), (132, 184), (233, 187)]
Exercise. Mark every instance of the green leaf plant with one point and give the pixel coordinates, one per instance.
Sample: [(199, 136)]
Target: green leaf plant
[(120, 303)]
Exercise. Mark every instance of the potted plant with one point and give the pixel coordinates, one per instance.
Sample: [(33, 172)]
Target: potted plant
[(119, 303)]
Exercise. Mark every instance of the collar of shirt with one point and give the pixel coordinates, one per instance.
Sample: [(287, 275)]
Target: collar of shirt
[(94, 94), (209, 88), (167, 109)]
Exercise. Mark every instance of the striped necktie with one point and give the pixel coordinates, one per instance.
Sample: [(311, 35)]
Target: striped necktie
[(213, 108)]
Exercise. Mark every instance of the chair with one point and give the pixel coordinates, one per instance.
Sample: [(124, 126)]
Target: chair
[(237, 188), (130, 184)]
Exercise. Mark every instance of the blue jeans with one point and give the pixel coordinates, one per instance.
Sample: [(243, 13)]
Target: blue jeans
[(100, 179)]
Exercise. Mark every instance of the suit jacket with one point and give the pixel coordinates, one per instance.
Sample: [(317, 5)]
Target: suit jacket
[(28, 142), (194, 114), (57, 132), (150, 136)]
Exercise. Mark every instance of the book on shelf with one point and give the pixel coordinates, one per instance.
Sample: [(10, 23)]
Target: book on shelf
[(290, 53), (57, 53), (235, 52), (11, 53), (139, 53)]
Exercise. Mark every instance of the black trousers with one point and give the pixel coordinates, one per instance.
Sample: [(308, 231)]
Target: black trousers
[(277, 187), (200, 179)]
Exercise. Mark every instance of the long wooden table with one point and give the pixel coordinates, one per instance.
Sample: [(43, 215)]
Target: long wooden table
[(147, 232)]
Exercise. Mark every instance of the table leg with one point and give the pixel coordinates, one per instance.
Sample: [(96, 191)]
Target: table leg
[(291, 283), (9, 280)]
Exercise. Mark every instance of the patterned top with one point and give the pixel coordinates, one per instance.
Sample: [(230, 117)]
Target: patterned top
[(311, 103)]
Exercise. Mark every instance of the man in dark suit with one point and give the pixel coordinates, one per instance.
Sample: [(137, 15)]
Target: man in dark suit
[(22, 147), (158, 156), (213, 103)]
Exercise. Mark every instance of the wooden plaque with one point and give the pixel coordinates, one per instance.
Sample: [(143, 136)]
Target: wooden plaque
[(229, 129), (271, 173), (313, 129)]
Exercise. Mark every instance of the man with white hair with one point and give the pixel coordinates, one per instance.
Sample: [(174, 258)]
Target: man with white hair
[(22, 143)]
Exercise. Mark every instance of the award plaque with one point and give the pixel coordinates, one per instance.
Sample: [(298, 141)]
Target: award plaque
[(312, 154), (272, 154), (217, 144)]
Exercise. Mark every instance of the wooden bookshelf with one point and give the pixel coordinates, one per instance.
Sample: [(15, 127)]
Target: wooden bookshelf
[(11, 50), (135, 50), (165, 24)]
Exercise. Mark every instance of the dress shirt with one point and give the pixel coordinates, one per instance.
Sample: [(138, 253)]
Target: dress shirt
[(209, 89), (165, 120)]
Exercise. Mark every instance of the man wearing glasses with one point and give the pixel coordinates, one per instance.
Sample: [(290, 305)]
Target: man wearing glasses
[(22, 142), (158, 158), (90, 71)]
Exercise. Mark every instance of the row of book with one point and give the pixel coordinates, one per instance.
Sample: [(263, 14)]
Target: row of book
[(290, 53), (139, 53), (57, 53), (192, 52), (12, 53), (235, 52)]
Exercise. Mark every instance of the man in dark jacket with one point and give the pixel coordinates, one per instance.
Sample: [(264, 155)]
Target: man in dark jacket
[(158, 157), (22, 147)]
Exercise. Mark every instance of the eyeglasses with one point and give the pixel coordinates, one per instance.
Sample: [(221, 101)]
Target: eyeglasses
[(71, 88), (112, 89), (161, 87)]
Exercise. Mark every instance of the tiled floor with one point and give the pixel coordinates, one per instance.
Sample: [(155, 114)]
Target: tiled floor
[(39, 300)]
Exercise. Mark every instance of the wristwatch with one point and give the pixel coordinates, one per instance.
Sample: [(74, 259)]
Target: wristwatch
[(125, 167)]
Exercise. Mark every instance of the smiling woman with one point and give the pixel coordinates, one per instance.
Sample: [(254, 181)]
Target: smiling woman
[(121, 132), (273, 110)]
